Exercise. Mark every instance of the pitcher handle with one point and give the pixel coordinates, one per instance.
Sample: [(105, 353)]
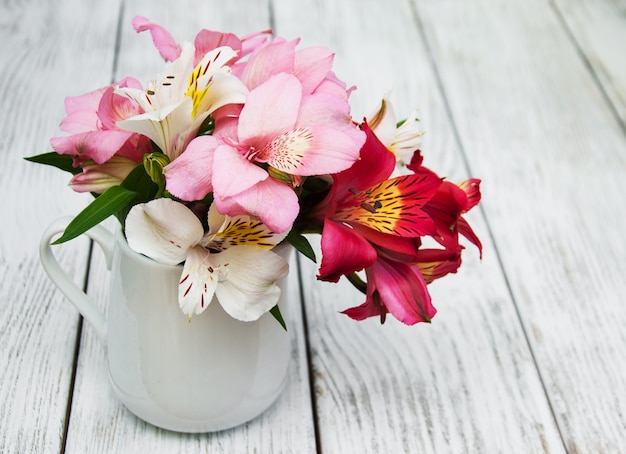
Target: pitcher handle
[(62, 280)]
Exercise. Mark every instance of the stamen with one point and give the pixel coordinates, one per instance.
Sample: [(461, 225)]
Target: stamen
[(370, 208)]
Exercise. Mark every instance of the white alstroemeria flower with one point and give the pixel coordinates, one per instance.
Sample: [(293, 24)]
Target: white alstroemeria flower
[(404, 140), (181, 98), (233, 261)]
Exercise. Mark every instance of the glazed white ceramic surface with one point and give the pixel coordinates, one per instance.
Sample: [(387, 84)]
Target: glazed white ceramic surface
[(203, 375)]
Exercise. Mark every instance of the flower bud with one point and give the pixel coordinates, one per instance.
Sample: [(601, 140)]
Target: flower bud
[(284, 177), (154, 163), (98, 178)]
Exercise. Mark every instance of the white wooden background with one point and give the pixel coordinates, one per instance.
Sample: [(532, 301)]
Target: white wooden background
[(528, 350)]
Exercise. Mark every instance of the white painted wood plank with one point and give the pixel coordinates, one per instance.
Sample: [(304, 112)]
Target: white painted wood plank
[(286, 426), (466, 383), (599, 28), (42, 47), (553, 155)]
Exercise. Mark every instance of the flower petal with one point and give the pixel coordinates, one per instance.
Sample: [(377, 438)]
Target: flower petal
[(396, 288), (211, 84), (468, 232), (471, 188), (189, 177), (198, 281), (227, 231), (86, 102), (270, 110), (273, 203), (98, 146), (401, 289), (233, 173), (248, 288), (393, 206), (207, 40), (343, 251), (436, 263), (375, 165), (114, 107), (80, 121), (324, 139), (162, 39), (163, 230), (168, 128), (408, 139), (269, 59), (311, 66), (383, 122), (372, 307)]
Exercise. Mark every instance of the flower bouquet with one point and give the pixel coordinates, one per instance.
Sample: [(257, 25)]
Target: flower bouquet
[(242, 144)]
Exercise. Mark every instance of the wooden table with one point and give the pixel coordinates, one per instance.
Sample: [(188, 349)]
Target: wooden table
[(528, 350)]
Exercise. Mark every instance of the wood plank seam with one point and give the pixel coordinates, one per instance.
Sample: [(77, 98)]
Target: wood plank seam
[(309, 359), (90, 258), (77, 344), (498, 256), (587, 63)]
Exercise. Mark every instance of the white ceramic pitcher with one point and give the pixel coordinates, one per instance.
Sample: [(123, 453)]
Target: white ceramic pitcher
[(203, 375)]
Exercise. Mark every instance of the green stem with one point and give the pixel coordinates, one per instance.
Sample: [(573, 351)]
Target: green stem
[(357, 282)]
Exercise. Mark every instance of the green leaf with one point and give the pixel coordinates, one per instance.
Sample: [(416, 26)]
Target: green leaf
[(60, 161), (275, 311), (109, 202), (139, 182), (301, 244)]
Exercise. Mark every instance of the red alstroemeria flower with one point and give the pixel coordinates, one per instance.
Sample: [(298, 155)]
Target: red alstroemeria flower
[(446, 207), (365, 211), (398, 288)]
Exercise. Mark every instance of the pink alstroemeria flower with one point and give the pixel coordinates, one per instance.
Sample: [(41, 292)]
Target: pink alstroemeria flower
[(91, 119), (278, 127)]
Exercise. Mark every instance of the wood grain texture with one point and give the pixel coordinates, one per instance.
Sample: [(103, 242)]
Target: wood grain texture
[(100, 423), (42, 47), (535, 125), (468, 382), (598, 28)]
